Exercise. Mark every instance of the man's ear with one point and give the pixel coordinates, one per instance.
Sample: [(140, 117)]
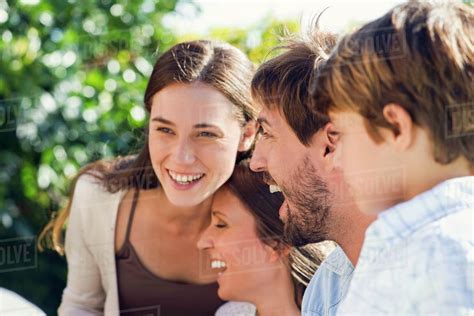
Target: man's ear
[(402, 132), (326, 142), (247, 138), (330, 137)]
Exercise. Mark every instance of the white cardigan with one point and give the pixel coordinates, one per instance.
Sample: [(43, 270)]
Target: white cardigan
[(90, 251)]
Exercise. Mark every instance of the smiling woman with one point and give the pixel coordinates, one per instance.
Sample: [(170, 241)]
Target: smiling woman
[(246, 247), (193, 141), (134, 221)]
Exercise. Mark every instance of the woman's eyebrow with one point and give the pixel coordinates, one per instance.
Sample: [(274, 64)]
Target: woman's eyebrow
[(219, 213), (205, 125), (162, 120), (168, 122)]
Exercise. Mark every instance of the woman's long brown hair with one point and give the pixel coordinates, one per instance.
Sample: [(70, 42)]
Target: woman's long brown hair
[(217, 64)]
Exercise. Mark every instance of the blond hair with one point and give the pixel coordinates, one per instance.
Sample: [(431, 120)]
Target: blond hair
[(420, 55)]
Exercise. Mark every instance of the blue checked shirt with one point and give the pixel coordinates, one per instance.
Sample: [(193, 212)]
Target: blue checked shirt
[(328, 286), (418, 257)]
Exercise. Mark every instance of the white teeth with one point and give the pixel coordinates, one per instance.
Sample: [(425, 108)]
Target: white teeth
[(217, 264), (274, 188), (184, 179)]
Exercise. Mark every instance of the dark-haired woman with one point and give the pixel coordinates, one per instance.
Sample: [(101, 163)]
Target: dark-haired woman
[(246, 246), (133, 222)]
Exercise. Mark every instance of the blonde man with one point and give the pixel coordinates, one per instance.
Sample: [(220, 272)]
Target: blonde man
[(400, 94)]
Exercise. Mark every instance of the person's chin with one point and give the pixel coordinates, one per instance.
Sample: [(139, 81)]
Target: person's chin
[(230, 288), (283, 211), (184, 200), (223, 292)]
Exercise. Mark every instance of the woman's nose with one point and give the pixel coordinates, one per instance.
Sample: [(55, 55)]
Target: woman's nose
[(205, 241), (184, 153)]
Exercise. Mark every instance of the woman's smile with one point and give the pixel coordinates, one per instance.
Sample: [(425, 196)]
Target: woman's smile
[(185, 181)]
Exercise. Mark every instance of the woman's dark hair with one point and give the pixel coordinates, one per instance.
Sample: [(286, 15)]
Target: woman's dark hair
[(250, 188), (217, 64)]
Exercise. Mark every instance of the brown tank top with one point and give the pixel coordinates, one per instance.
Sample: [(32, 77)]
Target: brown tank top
[(143, 293)]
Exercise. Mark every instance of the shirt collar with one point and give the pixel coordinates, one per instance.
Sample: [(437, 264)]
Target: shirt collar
[(403, 219), (338, 262)]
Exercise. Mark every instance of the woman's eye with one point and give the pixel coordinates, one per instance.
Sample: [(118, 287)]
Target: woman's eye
[(164, 130), (221, 225), (207, 134)]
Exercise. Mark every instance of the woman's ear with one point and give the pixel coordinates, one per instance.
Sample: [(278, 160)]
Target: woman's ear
[(402, 132), (247, 138), (278, 251)]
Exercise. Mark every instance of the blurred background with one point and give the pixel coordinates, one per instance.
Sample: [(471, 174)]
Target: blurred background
[(72, 78)]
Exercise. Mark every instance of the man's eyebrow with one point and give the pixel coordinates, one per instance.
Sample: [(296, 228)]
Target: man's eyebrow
[(262, 120), (162, 120)]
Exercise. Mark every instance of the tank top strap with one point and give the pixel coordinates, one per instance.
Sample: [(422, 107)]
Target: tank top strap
[(132, 213)]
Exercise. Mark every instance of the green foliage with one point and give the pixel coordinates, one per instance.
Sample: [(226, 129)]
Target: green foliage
[(257, 41), (72, 79)]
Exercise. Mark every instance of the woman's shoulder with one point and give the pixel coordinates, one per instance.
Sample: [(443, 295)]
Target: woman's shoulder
[(236, 309), (89, 183), (90, 188), (93, 206), (104, 176)]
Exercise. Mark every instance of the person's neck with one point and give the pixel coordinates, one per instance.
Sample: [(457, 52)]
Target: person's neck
[(350, 233), (178, 220), (419, 178), (278, 298), (426, 174)]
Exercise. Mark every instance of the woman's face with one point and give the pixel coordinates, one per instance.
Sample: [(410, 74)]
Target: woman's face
[(193, 141), (243, 262)]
